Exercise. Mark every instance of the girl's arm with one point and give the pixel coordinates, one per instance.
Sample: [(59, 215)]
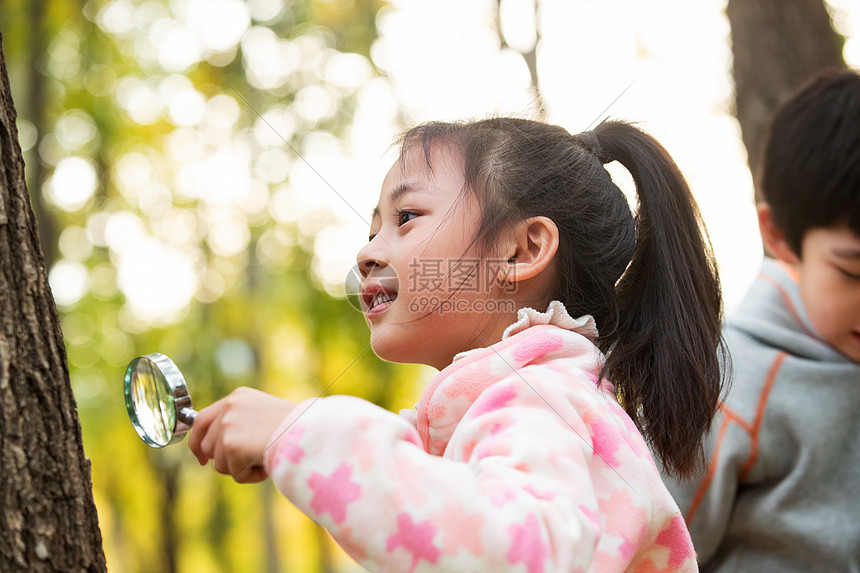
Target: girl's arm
[(514, 488), (362, 473)]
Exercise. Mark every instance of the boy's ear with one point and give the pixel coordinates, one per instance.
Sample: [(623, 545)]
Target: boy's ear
[(531, 247), (773, 237)]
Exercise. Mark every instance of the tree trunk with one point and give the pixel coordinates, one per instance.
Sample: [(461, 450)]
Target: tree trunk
[(169, 478), (48, 519), (530, 57), (36, 91), (776, 45)]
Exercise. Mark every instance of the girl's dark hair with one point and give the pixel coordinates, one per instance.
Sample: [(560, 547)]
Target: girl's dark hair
[(649, 280), (810, 170)]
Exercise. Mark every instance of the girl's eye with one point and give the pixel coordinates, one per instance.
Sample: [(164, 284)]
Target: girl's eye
[(404, 217)]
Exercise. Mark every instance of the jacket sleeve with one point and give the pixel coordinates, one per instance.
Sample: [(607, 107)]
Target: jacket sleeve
[(522, 494)]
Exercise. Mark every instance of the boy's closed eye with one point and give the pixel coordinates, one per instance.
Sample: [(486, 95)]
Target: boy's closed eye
[(847, 262), (848, 274)]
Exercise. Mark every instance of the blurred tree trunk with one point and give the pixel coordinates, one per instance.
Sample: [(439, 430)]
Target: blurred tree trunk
[(48, 519), (270, 537), (36, 92), (777, 45), (169, 477), (529, 57)]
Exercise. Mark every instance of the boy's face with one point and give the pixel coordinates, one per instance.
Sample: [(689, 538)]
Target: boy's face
[(829, 279)]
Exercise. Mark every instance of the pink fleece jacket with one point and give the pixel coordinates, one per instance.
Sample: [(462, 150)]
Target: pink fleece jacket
[(516, 460)]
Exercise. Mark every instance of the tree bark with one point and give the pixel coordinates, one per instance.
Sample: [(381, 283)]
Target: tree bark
[(776, 45), (48, 519)]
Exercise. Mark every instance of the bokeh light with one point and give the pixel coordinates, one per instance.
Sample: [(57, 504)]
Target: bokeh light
[(75, 129), (158, 280), (73, 183), (69, 282)]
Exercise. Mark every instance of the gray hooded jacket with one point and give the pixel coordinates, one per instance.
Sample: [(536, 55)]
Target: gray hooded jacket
[(782, 487)]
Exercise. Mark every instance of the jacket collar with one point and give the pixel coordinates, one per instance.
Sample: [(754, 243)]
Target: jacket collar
[(452, 392)]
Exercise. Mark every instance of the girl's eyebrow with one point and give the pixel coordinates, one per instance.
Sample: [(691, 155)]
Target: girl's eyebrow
[(398, 192)]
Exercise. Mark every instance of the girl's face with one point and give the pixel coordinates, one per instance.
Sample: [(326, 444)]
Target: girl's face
[(426, 294)]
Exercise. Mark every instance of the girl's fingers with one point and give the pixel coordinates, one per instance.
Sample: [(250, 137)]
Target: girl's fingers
[(220, 461), (211, 444), (253, 474), (235, 431), (202, 437), (220, 465), (234, 461), (198, 431)]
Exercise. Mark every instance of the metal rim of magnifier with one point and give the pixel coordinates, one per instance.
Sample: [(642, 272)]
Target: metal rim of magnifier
[(185, 413)]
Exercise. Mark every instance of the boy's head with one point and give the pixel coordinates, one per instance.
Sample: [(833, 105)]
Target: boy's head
[(810, 217)]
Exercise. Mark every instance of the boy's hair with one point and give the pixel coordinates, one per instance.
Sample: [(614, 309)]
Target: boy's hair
[(649, 280), (810, 172)]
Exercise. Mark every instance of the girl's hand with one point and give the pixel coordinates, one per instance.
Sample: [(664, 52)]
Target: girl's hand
[(235, 431)]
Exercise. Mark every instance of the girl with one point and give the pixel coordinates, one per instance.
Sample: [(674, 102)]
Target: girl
[(518, 456)]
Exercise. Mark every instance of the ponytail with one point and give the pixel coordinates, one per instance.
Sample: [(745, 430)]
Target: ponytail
[(663, 352), (650, 282)]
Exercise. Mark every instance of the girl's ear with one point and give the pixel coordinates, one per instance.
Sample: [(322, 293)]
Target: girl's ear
[(532, 245), (774, 237)]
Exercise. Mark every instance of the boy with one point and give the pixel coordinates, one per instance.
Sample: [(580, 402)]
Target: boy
[(781, 488)]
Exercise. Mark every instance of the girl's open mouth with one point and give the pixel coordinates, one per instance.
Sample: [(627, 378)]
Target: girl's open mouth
[(375, 298), (382, 300)]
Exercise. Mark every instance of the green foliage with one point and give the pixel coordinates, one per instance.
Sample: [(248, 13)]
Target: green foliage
[(124, 111)]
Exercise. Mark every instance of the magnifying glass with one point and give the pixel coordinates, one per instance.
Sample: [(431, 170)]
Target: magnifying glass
[(157, 400)]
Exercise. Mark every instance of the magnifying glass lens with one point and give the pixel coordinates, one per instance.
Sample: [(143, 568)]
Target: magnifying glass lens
[(152, 400), (157, 400)]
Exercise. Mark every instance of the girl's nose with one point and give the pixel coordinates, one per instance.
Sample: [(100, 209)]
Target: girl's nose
[(370, 257)]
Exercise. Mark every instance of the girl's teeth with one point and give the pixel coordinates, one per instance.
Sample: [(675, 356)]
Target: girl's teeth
[(380, 298)]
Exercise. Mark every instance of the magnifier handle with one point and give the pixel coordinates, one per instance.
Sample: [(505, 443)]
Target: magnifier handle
[(186, 415)]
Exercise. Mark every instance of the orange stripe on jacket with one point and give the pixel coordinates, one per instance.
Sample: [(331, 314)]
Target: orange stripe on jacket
[(712, 469), (732, 416), (765, 393), (790, 305)]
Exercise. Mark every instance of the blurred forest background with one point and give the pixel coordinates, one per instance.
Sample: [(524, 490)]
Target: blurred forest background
[(164, 138), (203, 170)]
